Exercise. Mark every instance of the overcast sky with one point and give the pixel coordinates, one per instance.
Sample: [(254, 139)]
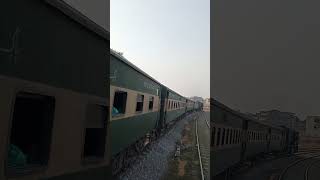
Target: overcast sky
[(267, 55), (169, 40), (96, 10)]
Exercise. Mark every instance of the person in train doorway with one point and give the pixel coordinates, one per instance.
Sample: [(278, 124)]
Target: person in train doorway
[(16, 158), (114, 111)]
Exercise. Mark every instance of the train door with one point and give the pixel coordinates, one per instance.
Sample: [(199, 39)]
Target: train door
[(165, 110), (186, 106), (244, 139), (268, 139), (163, 107)]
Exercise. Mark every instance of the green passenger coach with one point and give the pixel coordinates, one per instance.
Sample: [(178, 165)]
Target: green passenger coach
[(135, 102), (141, 108), (54, 107), (175, 106)]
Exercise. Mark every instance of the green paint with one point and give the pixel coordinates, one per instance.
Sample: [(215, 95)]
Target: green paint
[(126, 131), (175, 96), (123, 75), (52, 48), (172, 115)]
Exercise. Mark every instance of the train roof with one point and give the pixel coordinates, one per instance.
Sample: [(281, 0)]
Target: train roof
[(127, 62), (242, 115), (79, 17), (175, 92)]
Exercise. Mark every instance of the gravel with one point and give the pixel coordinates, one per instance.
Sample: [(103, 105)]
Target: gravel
[(154, 163)]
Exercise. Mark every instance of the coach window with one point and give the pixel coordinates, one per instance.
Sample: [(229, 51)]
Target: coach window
[(213, 136), (223, 135), (151, 99), (227, 136), (237, 136), (218, 136), (237, 139), (139, 106), (230, 137), (95, 132), (31, 131), (119, 103), (231, 140)]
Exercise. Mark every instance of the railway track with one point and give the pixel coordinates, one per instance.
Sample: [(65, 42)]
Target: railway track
[(203, 144), (293, 170)]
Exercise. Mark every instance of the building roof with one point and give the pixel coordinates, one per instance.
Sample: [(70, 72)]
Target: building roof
[(79, 17)]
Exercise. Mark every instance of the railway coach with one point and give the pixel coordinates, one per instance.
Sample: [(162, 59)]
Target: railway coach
[(135, 112), (141, 108), (175, 106), (54, 106), (236, 137)]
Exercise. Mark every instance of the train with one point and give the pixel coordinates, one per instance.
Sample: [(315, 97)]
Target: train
[(60, 119), (141, 108), (237, 137), (54, 98)]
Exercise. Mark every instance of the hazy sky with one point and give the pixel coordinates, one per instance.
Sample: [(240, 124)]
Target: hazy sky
[(96, 10), (267, 55), (169, 40)]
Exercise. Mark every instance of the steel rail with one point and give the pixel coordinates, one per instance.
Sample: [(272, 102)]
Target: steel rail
[(199, 153), (207, 123), (281, 176), (306, 173)]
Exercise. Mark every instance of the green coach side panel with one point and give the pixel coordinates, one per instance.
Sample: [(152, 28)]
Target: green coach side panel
[(175, 96), (128, 130), (172, 115), (123, 75), (51, 48)]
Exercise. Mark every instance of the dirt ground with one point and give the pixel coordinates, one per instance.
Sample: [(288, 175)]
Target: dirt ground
[(186, 165)]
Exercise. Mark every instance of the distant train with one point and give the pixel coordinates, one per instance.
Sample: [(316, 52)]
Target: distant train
[(236, 137), (141, 108)]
